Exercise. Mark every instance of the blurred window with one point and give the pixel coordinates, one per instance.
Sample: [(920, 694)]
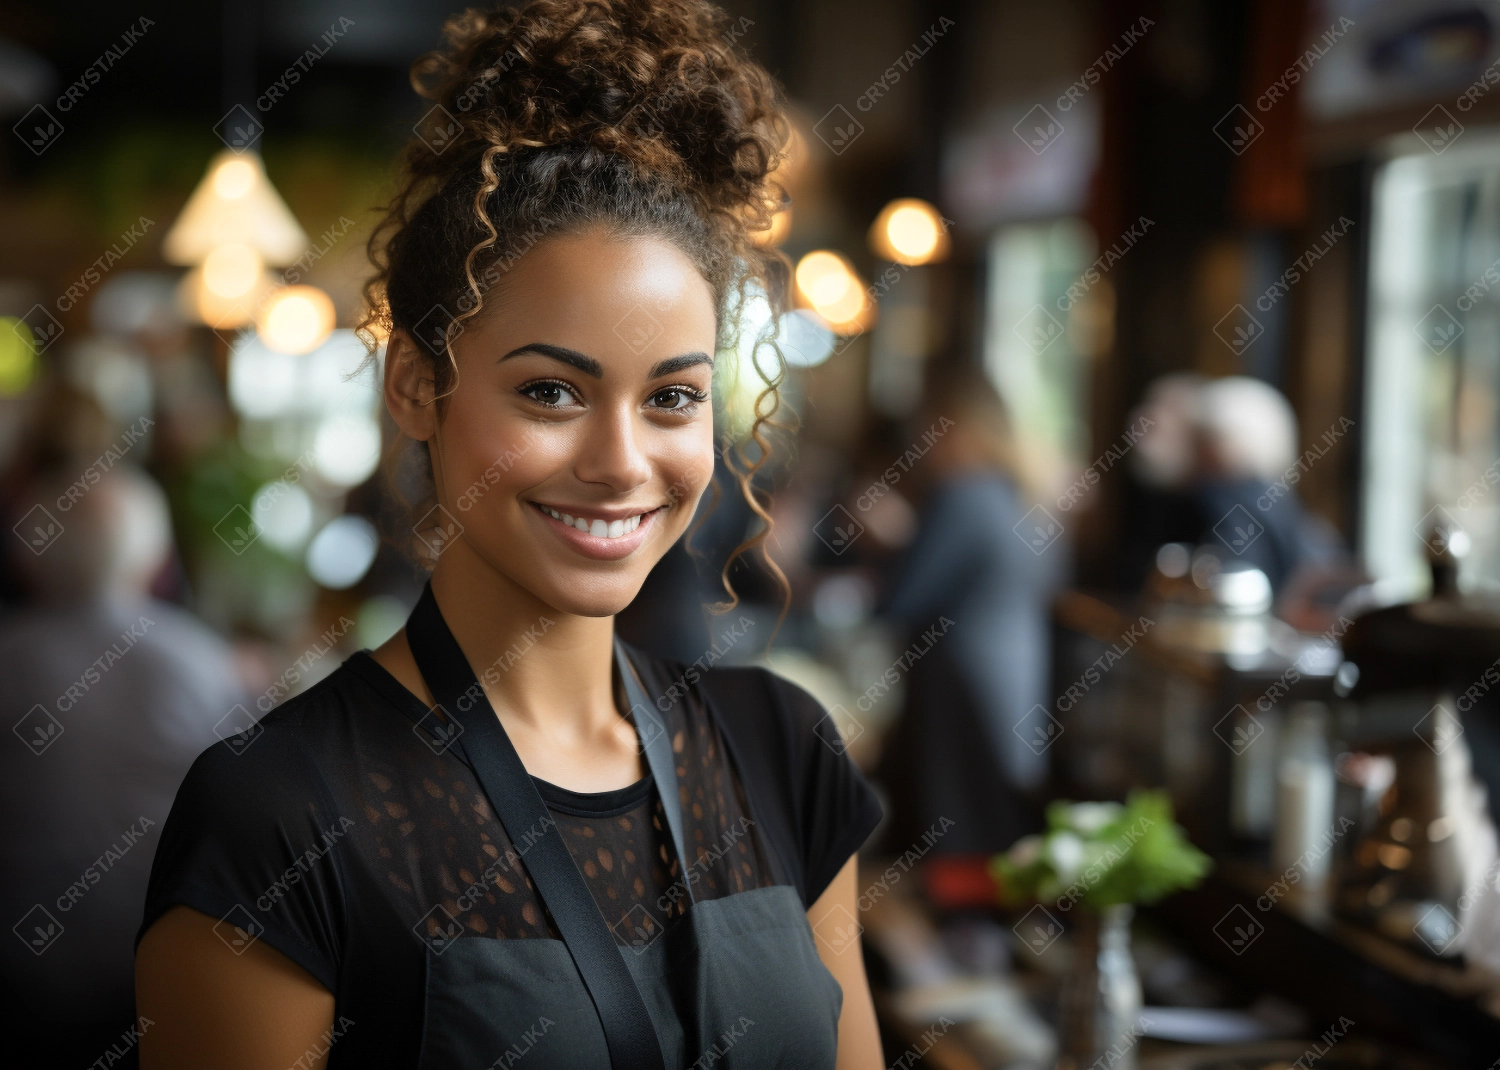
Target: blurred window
[(1038, 334), (1432, 408)]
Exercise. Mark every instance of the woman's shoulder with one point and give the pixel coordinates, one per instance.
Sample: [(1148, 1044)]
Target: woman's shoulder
[(246, 828), (758, 699), (278, 746), (260, 794)]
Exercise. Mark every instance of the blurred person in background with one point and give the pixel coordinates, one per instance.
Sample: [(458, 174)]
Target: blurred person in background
[(111, 695), (1219, 465), (982, 594), (1164, 464)]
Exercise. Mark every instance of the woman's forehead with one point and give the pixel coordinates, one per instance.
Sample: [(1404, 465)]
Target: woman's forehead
[(602, 295)]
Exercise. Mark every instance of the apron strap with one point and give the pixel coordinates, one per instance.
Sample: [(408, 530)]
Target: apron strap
[(656, 741), (628, 1032)]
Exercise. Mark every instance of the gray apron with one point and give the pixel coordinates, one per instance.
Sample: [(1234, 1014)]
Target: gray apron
[(735, 983)]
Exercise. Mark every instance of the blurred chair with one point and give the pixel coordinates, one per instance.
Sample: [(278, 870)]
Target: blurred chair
[(111, 694)]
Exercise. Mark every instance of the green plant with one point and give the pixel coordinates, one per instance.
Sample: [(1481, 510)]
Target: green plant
[(1101, 854)]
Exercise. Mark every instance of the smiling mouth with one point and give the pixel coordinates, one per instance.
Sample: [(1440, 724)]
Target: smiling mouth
[(598, 527)]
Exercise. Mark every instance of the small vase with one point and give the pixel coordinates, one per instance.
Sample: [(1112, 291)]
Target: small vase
[(1099, 1007)]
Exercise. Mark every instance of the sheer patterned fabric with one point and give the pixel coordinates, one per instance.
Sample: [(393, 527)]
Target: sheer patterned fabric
[(430, 830)]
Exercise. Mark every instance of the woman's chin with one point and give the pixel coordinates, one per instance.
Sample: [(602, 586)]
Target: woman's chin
[(579, 601)]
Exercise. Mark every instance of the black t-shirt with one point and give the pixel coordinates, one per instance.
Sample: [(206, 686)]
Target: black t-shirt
[(342, 832)]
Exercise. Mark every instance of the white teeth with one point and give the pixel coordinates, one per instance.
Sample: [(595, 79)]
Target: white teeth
[(603, 529)]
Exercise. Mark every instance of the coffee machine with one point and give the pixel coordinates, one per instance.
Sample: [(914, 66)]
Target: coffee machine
[(1427, 703)]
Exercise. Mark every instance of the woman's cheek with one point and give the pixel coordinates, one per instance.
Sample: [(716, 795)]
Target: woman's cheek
[(689, 477), (500, 465)]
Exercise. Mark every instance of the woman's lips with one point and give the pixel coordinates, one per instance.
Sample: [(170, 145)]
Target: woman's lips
[(599, 547)]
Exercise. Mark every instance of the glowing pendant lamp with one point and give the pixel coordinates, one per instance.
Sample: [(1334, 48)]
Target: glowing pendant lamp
[(232, 227)]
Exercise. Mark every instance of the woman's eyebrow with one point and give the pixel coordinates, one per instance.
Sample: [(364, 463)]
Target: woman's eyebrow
[(676, 364), (571, 357), (589, 366)]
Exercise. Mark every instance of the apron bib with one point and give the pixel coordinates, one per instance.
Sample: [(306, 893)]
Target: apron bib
[(734, 983)]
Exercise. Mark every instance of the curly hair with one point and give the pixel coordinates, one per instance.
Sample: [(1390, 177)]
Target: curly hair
[(635, 115)]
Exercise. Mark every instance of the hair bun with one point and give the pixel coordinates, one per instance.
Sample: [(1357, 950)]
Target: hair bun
[(657, 82)]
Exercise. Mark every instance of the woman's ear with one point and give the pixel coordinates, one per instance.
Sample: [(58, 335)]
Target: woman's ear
[(409, 387)]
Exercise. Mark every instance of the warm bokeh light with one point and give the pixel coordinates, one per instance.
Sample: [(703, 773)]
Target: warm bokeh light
[(296, 319), (909, 231), (233, 178), (232, 270), (829, 284), (198, 301), (823, 279)]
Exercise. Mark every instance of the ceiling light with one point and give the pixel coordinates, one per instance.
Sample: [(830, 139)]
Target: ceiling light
[(235, 203)]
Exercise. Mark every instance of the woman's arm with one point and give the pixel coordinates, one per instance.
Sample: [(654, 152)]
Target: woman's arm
[(859, 1036), (205, 1006)]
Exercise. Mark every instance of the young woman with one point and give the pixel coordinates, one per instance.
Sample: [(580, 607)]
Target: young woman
[(504, 836)]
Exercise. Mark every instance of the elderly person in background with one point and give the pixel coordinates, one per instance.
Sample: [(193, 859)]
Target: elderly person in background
[(110, 696), (1214, 464)]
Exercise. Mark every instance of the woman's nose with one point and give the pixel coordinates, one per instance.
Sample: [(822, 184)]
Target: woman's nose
[(613, 452)]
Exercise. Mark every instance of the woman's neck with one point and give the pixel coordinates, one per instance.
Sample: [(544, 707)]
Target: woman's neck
[(549, 675), (535, 663)]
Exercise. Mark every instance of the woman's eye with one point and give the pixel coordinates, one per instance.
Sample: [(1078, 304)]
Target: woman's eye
[(676, 397), (549, 393)]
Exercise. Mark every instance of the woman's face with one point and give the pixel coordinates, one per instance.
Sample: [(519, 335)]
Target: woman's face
[(580, 435)]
